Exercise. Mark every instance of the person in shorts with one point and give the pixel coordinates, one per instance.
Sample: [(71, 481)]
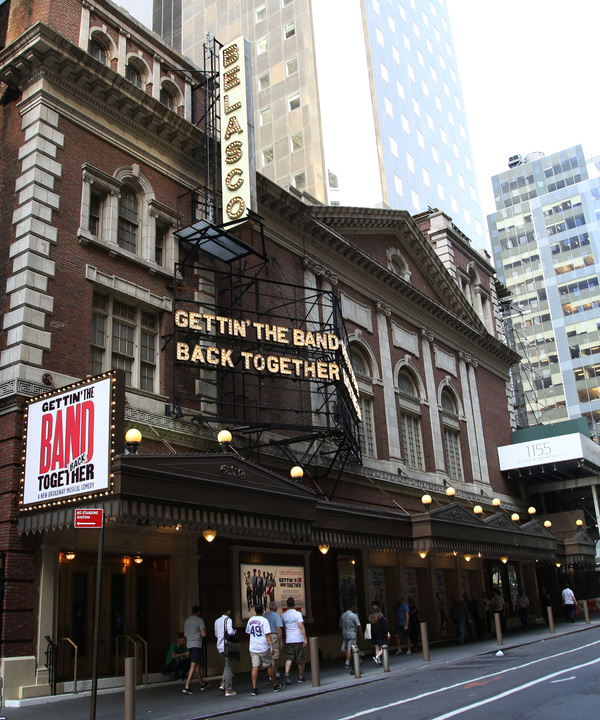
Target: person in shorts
[(276, 634), (195, 631), (261, 649), (350, 625), (295, 640)]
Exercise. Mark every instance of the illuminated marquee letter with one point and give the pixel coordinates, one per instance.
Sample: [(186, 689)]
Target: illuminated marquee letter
[(230, 108), (233, 126), (230, 182), (233, 152), (231, 54)]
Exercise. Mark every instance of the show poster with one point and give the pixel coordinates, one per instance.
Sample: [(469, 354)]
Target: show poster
[(68, 444), (347, 581), (377, 587), (265, 583), (411, 588)]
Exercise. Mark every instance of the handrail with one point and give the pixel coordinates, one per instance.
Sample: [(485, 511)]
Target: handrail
[(145, 644), (132, 641), (75, 666), (136, 641)]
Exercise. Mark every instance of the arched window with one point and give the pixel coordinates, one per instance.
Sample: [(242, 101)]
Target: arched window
[(127, 234), (454, 465), (133, 75), (97, 50), (397, 264), (366, 435), (410, 421), (166, 98)]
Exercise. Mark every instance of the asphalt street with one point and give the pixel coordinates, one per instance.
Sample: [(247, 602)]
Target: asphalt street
[(543, 681)]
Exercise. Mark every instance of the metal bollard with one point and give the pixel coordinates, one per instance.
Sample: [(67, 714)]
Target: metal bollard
[(315, 668), (586, 612), (356, 660), (425, 641), (551, 619), (129, 688), (498, 629), (385, 654)]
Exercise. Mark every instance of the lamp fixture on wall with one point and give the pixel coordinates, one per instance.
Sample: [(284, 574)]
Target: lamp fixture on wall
[(133, 438), (209, 534), (324, 548), (224, 438)]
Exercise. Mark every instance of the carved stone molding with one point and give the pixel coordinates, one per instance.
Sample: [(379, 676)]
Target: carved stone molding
[(427, 334), (383, 308), (319, 270)]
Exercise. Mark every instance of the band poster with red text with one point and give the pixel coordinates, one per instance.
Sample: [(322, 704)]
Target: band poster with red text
[(68, 443)]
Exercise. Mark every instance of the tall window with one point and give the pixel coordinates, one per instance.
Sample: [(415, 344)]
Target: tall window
[(97, 50), (128, 220), (366, 434), (124, 337), (289, 29), (410, 421), (133, 75), (454, 466), (167, 99), (95, 220)]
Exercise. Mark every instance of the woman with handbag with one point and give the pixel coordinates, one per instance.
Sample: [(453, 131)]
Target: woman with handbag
[(226, 638), (379, 631)]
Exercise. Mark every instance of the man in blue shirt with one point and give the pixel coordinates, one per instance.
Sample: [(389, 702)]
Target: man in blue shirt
[(402, 612)]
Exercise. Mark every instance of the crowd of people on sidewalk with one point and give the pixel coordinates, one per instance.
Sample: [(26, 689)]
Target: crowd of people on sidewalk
[(272, 635)]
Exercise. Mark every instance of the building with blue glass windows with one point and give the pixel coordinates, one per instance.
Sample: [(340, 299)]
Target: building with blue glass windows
[(357, 102), (545, 238)]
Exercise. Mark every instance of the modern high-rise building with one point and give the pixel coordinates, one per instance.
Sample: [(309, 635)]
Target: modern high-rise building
[(545, 239), (357, 102)]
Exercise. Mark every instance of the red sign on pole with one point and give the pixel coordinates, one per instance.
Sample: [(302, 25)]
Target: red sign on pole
[(88, 518)]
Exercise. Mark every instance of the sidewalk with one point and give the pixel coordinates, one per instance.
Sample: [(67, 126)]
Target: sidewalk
[(166, 701)]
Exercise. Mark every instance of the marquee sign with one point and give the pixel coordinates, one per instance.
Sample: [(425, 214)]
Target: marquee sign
[(238, 167), (69, 441), (288, 362)]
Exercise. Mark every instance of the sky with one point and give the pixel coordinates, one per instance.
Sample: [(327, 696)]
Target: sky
[(527, 70)]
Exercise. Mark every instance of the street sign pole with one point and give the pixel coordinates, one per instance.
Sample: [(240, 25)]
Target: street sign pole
[(97, 622)]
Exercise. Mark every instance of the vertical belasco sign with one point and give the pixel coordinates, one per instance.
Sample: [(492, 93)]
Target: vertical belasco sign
[(238, 164), (69, 442)]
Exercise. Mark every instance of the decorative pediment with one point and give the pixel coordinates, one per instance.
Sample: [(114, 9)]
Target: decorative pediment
[(455, 513)]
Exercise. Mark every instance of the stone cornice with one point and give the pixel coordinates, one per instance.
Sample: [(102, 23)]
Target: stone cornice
[(42, 55)]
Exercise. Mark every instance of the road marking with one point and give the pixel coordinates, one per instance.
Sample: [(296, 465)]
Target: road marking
[(564, 679), (512, 691), (478, 679)]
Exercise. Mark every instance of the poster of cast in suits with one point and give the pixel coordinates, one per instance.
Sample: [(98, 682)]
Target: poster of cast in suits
[(264, 583)]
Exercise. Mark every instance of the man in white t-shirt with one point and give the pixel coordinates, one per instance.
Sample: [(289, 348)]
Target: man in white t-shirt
[(569, 603), (295, 640), (261, 649)]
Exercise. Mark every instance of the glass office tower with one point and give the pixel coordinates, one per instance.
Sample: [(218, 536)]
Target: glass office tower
[(545, 239), (357, 102)]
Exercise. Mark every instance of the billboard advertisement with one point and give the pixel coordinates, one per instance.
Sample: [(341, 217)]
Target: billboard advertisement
[(267, 582), (68, 443)]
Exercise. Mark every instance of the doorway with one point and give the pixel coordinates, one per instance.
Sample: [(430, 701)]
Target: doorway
[(133, 607)]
